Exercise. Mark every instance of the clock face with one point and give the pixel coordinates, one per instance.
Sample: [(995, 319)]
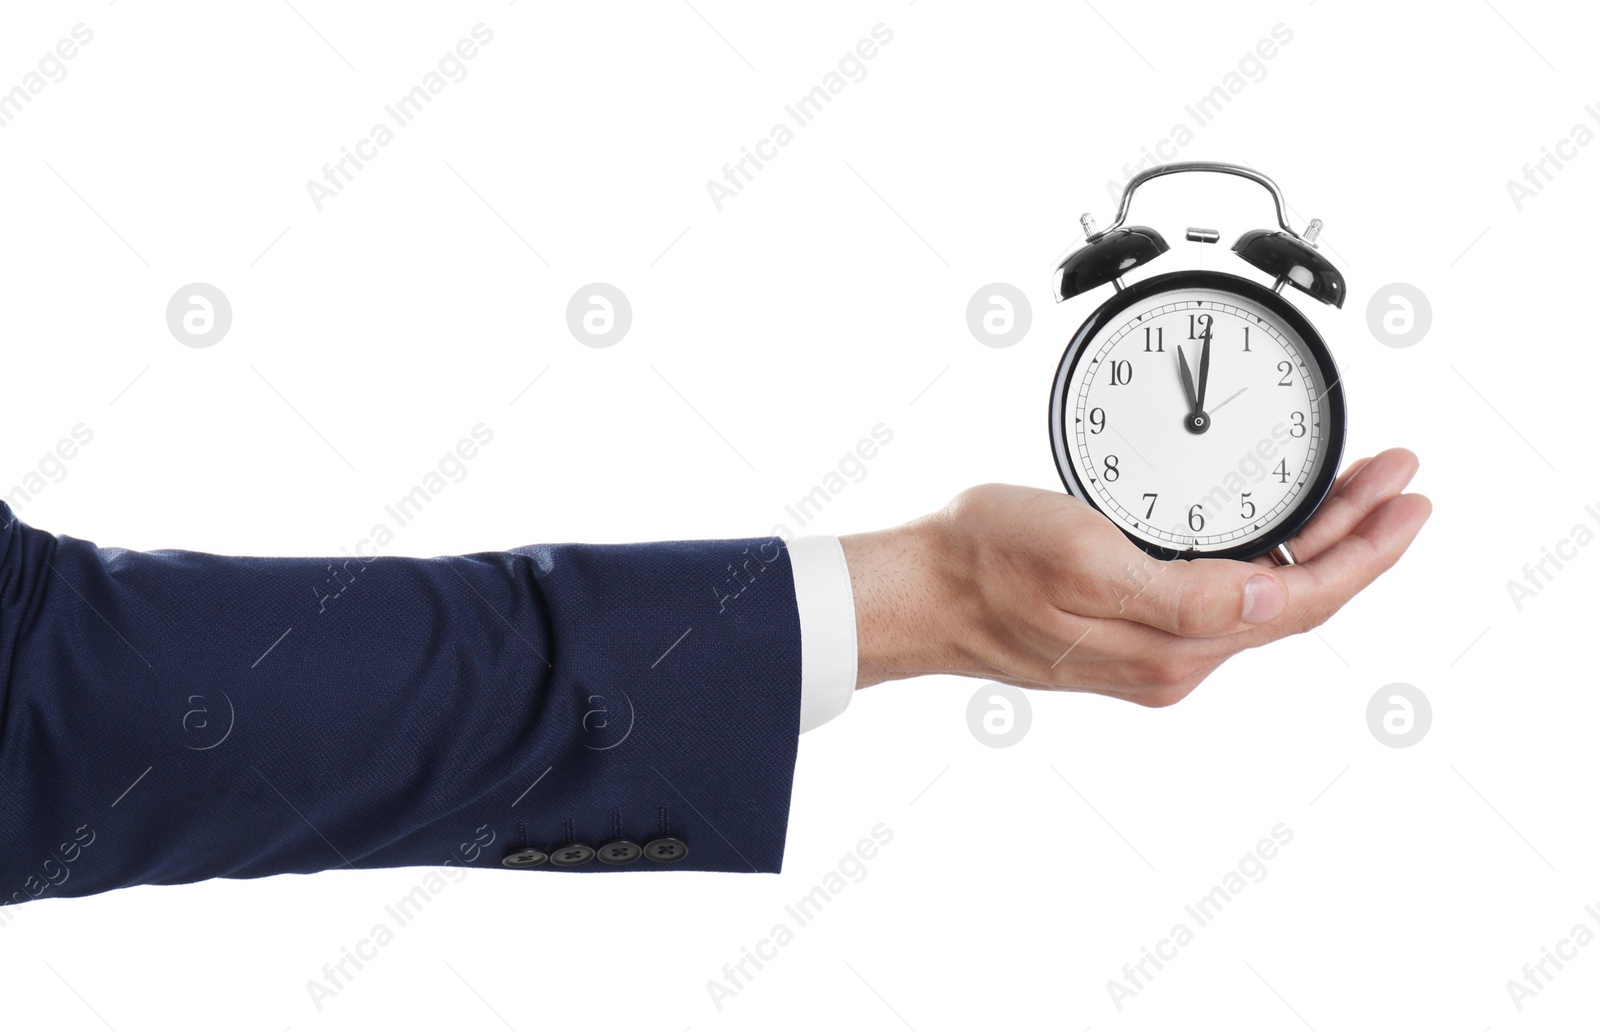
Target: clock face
[(1201, 413)]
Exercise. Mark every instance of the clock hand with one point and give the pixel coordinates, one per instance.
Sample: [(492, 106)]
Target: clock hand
[(1229, 398), (1195, 420), (1188, 381), (1205, 371)]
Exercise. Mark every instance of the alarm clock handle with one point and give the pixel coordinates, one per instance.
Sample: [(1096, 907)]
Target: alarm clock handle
[(1198, 166)]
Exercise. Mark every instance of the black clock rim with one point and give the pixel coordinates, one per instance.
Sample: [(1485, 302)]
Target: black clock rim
[(1314, 496)]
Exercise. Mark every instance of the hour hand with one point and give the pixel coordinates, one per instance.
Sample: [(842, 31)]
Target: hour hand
[(1188, 380), (1195, 420)]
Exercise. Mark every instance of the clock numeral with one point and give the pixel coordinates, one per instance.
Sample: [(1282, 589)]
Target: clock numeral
[(1097, 420), (1285, 368), (1247, 338), (1158, 346), (1197, 519), (1112, 472), (1247, 508), (1152, 508), (1282, 471), (1121, 372), (1298, 427), (1203, 324)]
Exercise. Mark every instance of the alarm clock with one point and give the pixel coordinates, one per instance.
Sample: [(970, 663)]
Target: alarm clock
[(1199, 410)]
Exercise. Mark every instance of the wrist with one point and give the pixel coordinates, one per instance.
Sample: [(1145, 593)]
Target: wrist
[(908, 601)]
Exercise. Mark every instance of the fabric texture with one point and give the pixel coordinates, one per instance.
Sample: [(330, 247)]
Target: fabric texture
[(172, 716)]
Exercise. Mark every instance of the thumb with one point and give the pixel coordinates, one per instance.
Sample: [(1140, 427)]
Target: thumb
[(1202, 598)]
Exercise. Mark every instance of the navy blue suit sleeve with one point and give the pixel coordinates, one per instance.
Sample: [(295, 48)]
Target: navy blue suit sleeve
[(172, 716)]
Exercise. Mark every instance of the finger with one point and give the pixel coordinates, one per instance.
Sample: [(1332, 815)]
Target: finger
[(1319, 588), (1349, 472), (1213, 597), (1360, 491)]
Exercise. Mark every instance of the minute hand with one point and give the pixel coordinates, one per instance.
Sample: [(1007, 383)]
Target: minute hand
[(1205, 371)]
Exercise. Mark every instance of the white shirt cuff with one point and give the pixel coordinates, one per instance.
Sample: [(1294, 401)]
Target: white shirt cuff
[(827, 607)]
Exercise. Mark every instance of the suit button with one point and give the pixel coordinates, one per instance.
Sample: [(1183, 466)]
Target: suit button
[(622, 852), (524, 858), (665, 850), (572, 856)]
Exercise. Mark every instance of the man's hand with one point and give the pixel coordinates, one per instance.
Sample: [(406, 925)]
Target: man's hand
[(1036, 589)]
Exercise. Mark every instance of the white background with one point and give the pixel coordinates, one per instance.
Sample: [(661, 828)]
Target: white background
[(767, 338)]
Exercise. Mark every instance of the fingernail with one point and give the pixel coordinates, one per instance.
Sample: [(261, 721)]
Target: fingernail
[(1263, 600)]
